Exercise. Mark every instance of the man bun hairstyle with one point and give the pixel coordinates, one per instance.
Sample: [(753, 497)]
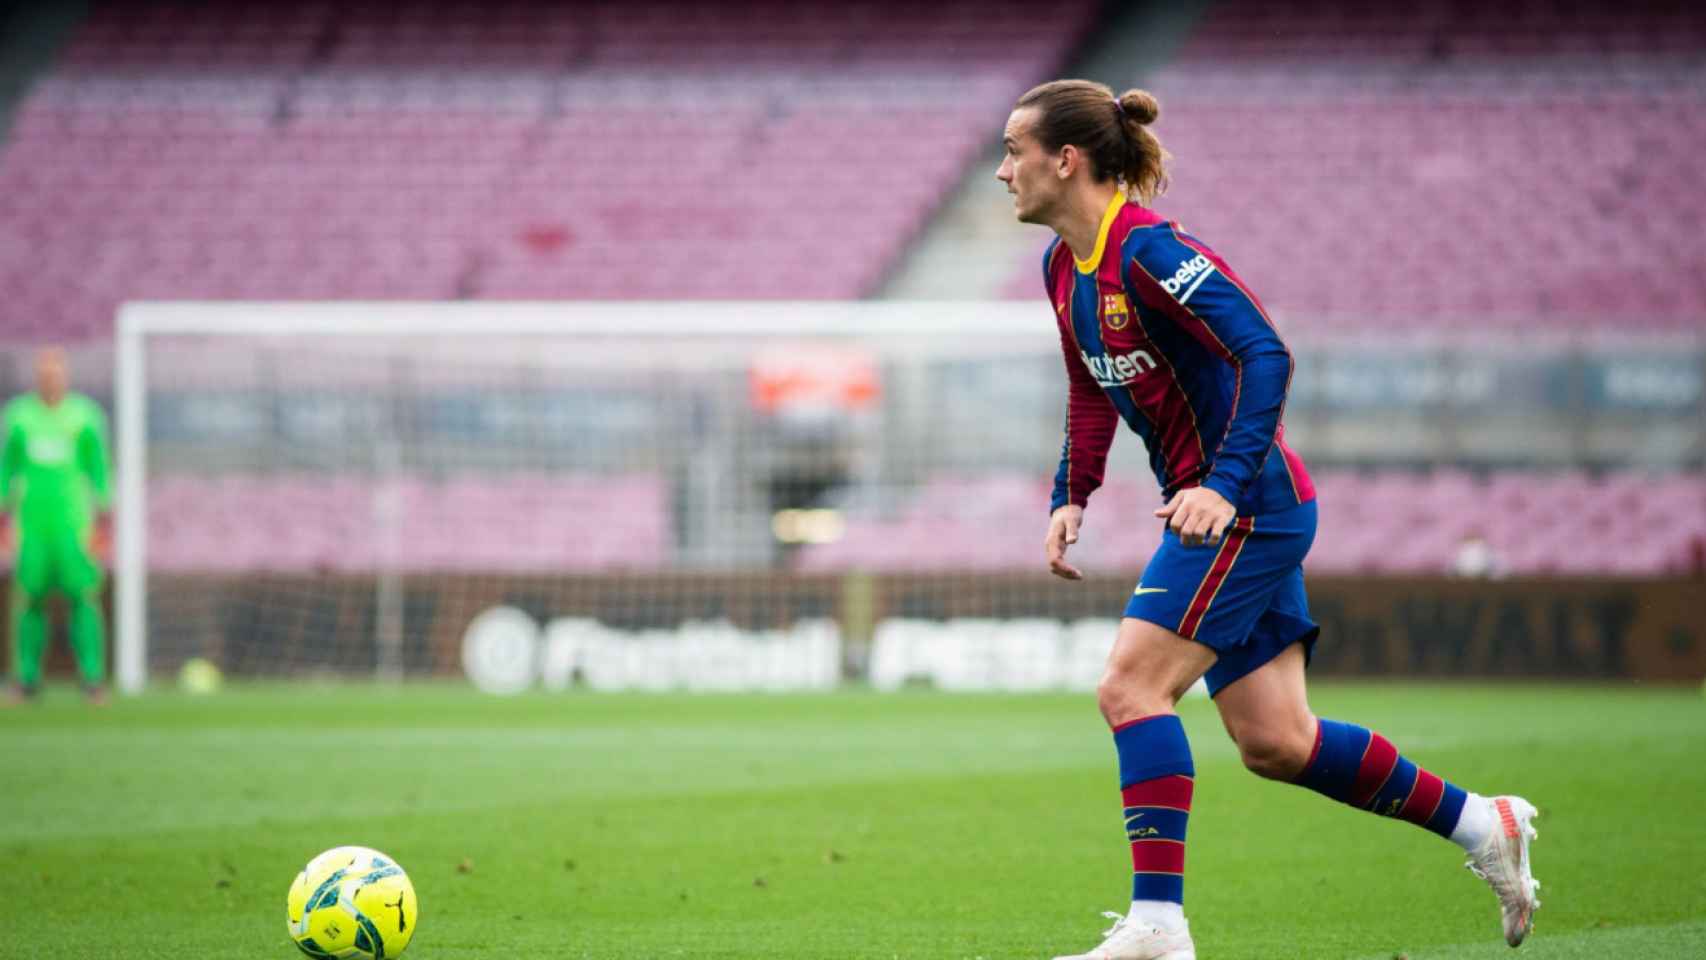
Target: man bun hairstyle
[(1145, 169), (1113, 132)]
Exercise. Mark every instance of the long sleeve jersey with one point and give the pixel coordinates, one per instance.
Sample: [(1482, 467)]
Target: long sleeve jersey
[(1159, 332), (54, 465)]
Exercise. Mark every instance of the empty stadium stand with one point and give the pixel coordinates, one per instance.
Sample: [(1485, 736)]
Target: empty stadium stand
[(317, 523), (1387, 521), (508, 150), (1444, 165), (1557, 522)]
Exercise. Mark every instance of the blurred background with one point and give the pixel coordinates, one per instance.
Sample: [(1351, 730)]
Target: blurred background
[(686, 462)]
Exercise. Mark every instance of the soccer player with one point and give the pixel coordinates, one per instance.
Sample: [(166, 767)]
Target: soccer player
[(1160, 333), (52, 471)]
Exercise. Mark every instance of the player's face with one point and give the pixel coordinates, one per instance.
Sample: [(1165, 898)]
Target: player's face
[(1027, 169), (51, 376)]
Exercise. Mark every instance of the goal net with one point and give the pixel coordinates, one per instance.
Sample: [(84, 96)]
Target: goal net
[(616, 495)]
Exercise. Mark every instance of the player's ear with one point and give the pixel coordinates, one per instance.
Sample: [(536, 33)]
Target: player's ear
[(1066, 162)]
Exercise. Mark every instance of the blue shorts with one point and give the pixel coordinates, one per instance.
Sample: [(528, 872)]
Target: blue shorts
[(1243, 598)]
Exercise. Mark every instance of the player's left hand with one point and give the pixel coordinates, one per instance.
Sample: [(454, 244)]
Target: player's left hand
[(1198, 515), (101, 539)]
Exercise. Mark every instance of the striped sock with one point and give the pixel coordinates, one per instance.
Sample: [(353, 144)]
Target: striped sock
[(1357, 766), (1156, 784)]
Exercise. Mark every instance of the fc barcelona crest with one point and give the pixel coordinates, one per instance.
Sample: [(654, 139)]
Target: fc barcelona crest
[(1116, 312)]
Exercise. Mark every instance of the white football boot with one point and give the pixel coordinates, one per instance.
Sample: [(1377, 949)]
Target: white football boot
[(1130, 939), (1502, 861)]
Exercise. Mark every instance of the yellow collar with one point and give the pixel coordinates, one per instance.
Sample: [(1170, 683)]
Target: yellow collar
[(1114, 205)]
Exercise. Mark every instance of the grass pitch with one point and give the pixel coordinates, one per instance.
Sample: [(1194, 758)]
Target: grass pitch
[(852, 825)]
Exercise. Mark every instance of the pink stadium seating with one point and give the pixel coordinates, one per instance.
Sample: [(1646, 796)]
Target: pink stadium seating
[(1450, 165), (500, 523), (1378, 522), (640, 149), (1385, 522)]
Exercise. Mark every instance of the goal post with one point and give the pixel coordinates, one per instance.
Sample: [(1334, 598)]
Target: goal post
[(130, 538), (341, 489)]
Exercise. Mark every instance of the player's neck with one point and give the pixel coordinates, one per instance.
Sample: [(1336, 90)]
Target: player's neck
[(1080, 220)]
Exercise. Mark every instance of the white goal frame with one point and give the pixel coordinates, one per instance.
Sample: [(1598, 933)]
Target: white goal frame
[(953, 326)]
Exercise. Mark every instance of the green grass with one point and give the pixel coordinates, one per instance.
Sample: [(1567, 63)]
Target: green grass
[(852, 825)]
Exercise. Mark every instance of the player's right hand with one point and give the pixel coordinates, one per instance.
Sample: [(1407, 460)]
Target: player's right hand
[(1063, 532)]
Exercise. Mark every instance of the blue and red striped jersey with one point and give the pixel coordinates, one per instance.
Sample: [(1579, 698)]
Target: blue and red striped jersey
[(1159, 332)]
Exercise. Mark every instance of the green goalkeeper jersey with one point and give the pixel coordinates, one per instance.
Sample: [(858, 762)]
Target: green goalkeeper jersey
[(54, 467)]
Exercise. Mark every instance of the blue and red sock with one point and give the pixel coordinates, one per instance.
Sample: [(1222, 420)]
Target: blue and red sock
[(1357, 766), (1156, 780)]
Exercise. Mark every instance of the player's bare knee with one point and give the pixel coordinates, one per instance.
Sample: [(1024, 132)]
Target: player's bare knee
[(1264, 757), (1276, 753), (1123, 696), (1112, 699)]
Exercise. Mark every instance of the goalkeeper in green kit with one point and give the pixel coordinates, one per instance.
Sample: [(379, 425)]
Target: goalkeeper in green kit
[(53, 479)]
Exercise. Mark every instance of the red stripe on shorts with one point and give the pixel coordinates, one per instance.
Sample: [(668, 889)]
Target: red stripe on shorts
[(1216, 576)]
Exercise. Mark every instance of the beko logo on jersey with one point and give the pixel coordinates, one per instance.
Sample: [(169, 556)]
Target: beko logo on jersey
[(1193, 269), (1121, 370)]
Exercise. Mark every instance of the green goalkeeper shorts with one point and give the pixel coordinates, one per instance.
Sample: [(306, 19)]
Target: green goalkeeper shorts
[(56, 562)]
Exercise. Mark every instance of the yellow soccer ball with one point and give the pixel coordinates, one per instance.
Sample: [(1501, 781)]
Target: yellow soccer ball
[(199, 676), (352, 902)]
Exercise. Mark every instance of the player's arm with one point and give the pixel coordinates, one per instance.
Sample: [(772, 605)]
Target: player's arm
[(11, 461), (1091, 421), (11, 467), (96, 464), (1225, 318)]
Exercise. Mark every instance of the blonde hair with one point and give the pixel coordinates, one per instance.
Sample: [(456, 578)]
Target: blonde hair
[(1113, 132)]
